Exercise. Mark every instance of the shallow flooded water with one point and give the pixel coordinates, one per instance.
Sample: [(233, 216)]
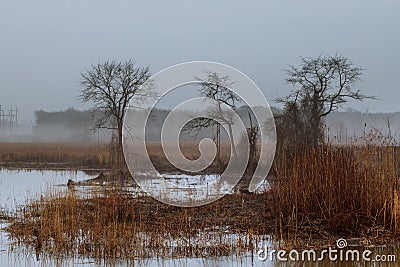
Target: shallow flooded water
[(18, 186)]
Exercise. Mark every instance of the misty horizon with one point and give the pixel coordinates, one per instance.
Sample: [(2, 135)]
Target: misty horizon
[(72, 125)]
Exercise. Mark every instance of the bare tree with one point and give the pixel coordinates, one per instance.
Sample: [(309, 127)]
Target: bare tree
[(324, 84), (110, 86), (216, 87)]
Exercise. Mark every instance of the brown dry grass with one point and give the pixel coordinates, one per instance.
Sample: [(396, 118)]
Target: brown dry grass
[(118, 226), (54, 155), (317, 196), (86, 156), (332, 192), (190, 151)]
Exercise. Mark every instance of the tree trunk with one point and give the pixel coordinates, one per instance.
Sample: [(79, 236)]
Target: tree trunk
[(119, 148), (218, 141), (232, 141), (315, 120), (120, 136)]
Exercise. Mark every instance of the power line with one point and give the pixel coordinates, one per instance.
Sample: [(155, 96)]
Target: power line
[(9, 118)]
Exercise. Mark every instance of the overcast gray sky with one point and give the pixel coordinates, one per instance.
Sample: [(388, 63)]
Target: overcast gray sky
[(45, 44)]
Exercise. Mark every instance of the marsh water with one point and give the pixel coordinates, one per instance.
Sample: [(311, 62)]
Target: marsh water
[(18, 186)]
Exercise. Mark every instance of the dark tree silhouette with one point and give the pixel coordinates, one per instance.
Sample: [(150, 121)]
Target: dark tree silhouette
[(110, 86), (323, 85)]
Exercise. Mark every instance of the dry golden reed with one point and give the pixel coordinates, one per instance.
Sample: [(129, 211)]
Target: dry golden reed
[(115, 225), (337, 191)]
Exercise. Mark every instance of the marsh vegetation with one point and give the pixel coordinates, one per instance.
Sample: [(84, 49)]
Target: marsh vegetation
[(316, 191)]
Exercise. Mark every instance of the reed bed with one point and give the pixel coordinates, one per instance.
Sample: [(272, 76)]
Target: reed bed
[(317, 195), (115, 225), (331, 191)]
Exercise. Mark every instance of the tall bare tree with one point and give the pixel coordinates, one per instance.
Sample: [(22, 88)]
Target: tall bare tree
[(110, 86), (216, 87), (323, 85)]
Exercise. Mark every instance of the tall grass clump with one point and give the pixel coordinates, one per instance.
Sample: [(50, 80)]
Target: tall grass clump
[(337, 191), (115, 225)]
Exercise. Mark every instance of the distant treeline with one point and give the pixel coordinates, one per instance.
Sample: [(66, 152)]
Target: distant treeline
[(68, 125), (69, 117), (80, 125)]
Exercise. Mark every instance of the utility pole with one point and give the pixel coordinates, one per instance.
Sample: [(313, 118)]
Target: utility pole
[(10, 118), (16, 116), (3, 116)]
